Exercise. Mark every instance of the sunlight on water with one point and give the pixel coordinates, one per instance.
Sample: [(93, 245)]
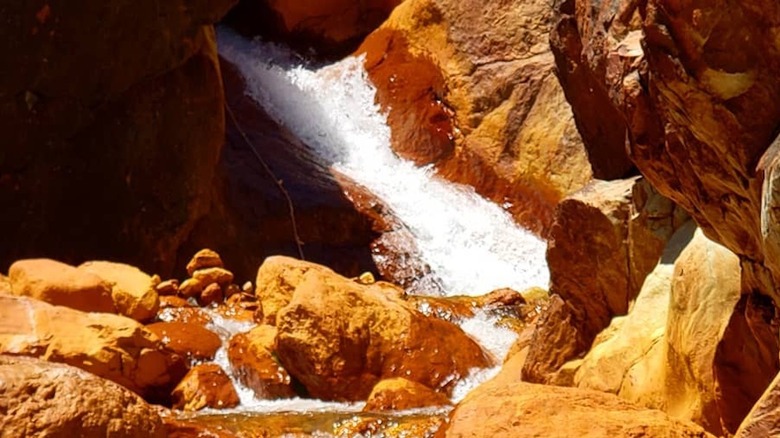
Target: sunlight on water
[(471, 244)]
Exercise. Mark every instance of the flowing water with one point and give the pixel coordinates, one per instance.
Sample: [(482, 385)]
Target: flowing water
[(471, 245)]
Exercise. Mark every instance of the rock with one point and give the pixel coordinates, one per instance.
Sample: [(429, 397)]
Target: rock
[(185, 315), (145, 76), (763, 418), (131, 289), (173, 302), (480, 101), (252, 356), (110, 346), (277, 279), (330, 27), (506, 407), (207, 276), (205, 386), (61, 285), (204, 259), (167, 287), (401, 394), (191, 288), (188, 339), (5, 285), (340, 338), (599, 272), (40, 398), (210, 295)]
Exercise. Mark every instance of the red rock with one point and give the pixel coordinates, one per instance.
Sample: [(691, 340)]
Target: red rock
[(40, 398), (173, 302), (167, 287), (208, 276), (191, 288), (211, 294), (131, 289), (190, 340), (205, 386), (61, 285), (186, 315), (252, 356), (204, 259), (400, 394)]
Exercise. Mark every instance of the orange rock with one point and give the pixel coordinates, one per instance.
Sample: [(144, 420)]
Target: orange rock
[(205, 386), (480, 101), (5, 285), (191, 288), (55, 400), (185, 315), (131, 289), (190, 340), (168, 301), (251, 355), (207, 276), (210, 295), (400, 394), (110, 346), (340, 338), (61, 285), (167, 287), (204, 259), (277, 278)]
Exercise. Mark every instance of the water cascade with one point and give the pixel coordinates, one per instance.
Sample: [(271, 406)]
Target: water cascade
[(471, 245)]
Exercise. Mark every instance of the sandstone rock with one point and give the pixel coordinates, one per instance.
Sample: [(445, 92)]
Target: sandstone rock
[(599, 272), (204, 259), (47, 399), (251, 355), (207, 276), (330, 26), (144, 76), (61, 285), (503, 407), (479, 100), (109, 346), (131, 289), (210, 295), (167, 287), (763, 418), (205, 386), (191, 288), (340, 338), (188, 339), (5, 285), (277, 279), (400, 394)]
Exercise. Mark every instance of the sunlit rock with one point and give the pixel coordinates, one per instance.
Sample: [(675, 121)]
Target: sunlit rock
[(110, 346), (188, 339), (55, 400), (253, 358), (204, 259), (61, 285), (131, 289), (205, 386), (339, 338)]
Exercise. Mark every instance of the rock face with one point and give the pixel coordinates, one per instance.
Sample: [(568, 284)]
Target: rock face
[(205, 386), (40, 398), (339, 338), (131, 289), (109, 346), (116, 120), (479, 100), (330, 26), (606, 239), (507, 407), (763, 418), (61, 285)]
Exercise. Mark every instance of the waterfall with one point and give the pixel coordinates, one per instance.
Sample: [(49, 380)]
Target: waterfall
[(472, 245)]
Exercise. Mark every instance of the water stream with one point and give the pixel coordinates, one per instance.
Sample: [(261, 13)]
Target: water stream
[(472, 245)]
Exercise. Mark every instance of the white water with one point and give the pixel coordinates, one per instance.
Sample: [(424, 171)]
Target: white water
[(471, 244)]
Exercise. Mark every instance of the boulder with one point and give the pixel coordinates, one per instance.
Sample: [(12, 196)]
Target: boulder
[(506, 407), (207, 276), (763, 418), (598, 272), (400, 394), (41, 398), (205, 386), (253, 358), (135, 88), (60, 284), (110, 346), (479, 100), (132, 290), (339, 338), (330, 27), (187, 339)]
